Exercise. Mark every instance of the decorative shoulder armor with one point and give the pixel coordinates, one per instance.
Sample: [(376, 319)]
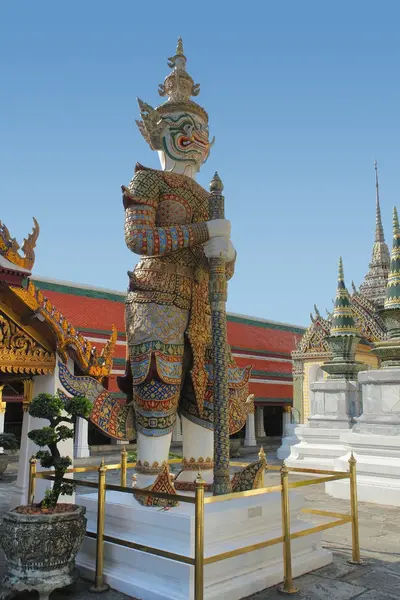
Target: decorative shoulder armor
[(144, 187)]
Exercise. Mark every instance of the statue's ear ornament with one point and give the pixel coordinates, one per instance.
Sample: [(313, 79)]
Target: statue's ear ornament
[(151, 126)]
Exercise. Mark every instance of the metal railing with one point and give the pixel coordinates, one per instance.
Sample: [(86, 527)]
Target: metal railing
[(199, 501)]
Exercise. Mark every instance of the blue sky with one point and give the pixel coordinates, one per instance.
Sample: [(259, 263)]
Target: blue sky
[(302, 97)]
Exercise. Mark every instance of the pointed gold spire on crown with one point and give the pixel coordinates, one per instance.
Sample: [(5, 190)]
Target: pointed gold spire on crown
[(178, 85)]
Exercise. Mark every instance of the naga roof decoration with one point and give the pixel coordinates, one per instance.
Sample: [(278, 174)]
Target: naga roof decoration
[(392, 300), (374, 284), (9, 247), (342, 322), (89, 360)]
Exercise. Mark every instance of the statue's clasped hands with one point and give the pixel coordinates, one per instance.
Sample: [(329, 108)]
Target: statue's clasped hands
[(219, 245)]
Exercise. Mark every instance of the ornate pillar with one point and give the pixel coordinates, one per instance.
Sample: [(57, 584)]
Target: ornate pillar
[(81, 444), (260, 430), (298, 379), (2, 414), (250, 439)]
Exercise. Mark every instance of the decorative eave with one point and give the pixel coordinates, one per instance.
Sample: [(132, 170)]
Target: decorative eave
[(313, 343), (22, 354), (68, 339), (368, 320)]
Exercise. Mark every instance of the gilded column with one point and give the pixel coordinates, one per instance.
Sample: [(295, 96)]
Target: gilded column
[(298, 380)]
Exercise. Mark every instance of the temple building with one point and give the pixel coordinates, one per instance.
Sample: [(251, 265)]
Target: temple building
[(43, 318), (313, 349)]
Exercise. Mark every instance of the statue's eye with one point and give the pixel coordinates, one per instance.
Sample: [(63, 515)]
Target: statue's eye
[(187, 129)]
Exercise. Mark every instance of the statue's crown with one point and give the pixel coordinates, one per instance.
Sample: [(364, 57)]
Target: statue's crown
[(179, 87)]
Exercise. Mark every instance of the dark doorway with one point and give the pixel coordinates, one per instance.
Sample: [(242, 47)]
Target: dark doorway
[(273, 420), (13, 419)]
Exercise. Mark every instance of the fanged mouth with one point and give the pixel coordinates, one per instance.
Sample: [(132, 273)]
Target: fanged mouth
[(185, 142)]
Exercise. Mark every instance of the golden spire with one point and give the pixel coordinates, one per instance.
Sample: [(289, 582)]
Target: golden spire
[(379, 235), (374, 284)]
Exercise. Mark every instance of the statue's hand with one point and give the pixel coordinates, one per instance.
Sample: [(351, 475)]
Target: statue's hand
[(126, 197), (220, 247), (219, 228)]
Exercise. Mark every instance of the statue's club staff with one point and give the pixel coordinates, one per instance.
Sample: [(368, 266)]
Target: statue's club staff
[(218, 289)]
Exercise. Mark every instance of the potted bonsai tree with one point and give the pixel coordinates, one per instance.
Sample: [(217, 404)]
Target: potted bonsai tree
[(41, 541), (9, 443)]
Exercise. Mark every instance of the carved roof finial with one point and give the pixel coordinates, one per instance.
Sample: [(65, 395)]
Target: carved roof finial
[(9, 247)]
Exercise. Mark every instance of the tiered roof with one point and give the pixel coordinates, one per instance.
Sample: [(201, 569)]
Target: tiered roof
[(359, 312)]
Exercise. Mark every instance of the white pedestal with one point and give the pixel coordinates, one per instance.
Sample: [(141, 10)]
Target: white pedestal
[(81, 444), (335, 403), (228, 525), (375, 441), (288, 441), (260, 430)]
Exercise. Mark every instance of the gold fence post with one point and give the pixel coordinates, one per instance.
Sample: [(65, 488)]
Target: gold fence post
[(199, 540), (287, 587), (99, 585), (355, 557), (32, 480), (124, 460)]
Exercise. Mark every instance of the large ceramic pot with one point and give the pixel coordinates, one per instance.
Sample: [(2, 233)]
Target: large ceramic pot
[(41, 549), (235, 444), (4, 460)]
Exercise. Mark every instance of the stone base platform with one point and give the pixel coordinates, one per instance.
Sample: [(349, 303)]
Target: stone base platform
[(228, 525), (319, 447), (290, 439), (378, 469)]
